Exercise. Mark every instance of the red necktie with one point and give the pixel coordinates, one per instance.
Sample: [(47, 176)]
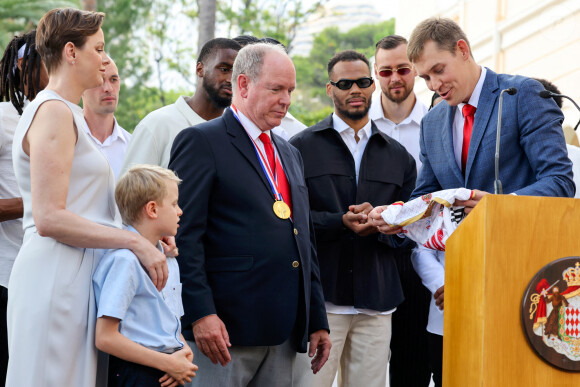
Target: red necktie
[(468, 113), (276, 168), (269, 151)]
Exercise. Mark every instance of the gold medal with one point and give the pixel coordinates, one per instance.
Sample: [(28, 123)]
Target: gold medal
[(281, 209)]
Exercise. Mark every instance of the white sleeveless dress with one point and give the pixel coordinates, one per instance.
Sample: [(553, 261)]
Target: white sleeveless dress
[(51, 305)]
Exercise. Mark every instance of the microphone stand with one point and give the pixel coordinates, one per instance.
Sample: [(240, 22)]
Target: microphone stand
[(497, 187)]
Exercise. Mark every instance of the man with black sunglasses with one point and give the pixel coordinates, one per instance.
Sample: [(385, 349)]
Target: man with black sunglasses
[(350, 166), (398, 113)]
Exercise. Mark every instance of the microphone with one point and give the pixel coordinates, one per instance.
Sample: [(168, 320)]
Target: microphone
[(548, 94), (498, 189), (511, 90)]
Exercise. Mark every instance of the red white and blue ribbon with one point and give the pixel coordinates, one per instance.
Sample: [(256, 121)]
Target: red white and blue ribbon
[(270, 175)]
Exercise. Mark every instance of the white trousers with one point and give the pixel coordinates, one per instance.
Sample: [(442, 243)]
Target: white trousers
[(360, 353)]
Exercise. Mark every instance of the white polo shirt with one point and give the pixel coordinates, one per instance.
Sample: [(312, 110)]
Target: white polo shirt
[(153, 137), (406, 132), (11, 232)]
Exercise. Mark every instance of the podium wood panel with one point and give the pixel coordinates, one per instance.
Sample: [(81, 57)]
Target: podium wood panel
[(489, 262)]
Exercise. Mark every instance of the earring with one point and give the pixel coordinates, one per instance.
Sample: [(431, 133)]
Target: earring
[(73, 62)]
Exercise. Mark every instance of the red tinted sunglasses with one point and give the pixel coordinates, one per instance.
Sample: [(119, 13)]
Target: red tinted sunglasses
[(404, 70)]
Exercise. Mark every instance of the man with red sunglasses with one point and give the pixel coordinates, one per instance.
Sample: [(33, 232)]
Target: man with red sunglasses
[(398, 113)]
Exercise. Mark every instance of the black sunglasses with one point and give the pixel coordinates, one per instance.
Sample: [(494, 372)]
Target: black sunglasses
[(404, 70), (346, 84)]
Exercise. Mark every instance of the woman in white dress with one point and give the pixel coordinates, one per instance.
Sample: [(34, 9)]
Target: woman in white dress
[(70, 215)]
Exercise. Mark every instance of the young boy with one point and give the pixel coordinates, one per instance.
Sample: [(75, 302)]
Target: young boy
[(138, 325)]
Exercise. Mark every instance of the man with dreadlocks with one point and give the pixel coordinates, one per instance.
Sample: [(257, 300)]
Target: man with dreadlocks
[(22, 75)]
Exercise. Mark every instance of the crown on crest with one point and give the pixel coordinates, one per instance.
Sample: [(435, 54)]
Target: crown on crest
[(572, 275)]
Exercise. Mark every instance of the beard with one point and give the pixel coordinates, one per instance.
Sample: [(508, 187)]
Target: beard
[(354, 115), (215, 97), (398, 98)]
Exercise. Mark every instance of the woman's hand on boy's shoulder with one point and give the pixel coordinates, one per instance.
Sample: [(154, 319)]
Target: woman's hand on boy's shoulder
[(169, 247)]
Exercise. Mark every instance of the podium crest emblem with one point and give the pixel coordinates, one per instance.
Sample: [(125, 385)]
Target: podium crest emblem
[(551, 313)]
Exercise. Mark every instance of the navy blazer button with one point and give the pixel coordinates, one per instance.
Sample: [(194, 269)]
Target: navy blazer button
[(295, 231), (295, 264)]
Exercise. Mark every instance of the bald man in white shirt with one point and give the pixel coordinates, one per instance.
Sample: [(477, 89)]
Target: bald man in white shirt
[(99, 106)]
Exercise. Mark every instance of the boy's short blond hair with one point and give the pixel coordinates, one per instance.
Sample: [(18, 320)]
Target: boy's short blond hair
[(140, 185)]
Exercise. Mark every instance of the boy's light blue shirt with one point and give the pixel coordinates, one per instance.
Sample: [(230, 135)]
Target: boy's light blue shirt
[(123, 290)]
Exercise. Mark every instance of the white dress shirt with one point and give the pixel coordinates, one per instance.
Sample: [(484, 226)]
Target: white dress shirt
[(356, 150), (254, 132), (459, 120), (114, 146), (11, 232), (407, 132), (288, 127)]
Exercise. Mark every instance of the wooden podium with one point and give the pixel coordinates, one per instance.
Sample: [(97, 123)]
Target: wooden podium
[(490, 260)]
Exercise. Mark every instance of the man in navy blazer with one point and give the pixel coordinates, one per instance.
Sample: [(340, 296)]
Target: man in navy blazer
[(251, 286), (533, 156)]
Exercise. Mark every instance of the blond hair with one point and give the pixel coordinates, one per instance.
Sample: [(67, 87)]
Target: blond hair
[(444, 32), (140, 185)]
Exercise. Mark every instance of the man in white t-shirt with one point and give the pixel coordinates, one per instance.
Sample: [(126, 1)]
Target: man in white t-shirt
[(154, 135), (24, 64), (10, 218), (99, 106)]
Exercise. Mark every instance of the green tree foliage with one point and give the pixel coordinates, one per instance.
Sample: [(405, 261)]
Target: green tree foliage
[(272, 18), (311, 75), (21, 16), (311, 70), (136, 102), (308, 115), (126, 43), (128, 47), (140, 40)]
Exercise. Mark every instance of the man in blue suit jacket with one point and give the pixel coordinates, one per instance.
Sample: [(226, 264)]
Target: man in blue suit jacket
[(533, 157), (251, 286)]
